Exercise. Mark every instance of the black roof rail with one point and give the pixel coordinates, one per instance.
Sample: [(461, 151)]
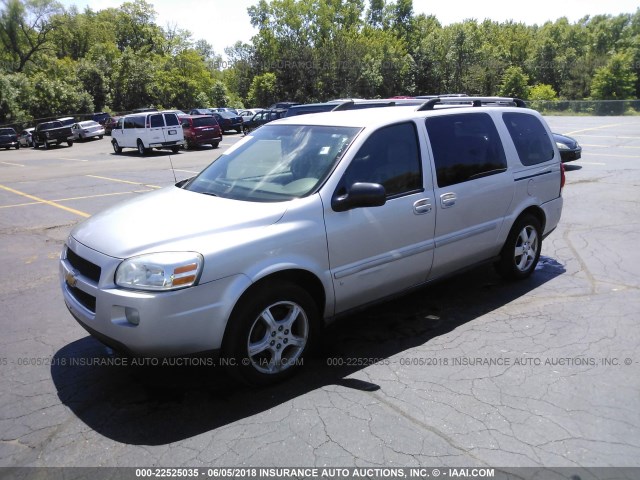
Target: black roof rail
[(472, 101), (350, 104)]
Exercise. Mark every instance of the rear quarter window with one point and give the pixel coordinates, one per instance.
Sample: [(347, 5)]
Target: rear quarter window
[(530, 138), (465, 147)]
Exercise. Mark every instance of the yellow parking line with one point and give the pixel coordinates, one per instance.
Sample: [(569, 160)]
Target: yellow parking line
[(594, 128), (123, 181), (48, 202), (76, 198)]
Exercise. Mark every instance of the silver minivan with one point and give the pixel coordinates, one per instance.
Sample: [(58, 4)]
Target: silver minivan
[(308, 218), (144, 131)]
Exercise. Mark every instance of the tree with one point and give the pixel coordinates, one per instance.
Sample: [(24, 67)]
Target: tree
[(542, 91), (514, 83), (25, 28), (615, 81), (263, 91)]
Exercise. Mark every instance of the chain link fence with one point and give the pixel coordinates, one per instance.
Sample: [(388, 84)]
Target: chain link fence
[(586, 107)]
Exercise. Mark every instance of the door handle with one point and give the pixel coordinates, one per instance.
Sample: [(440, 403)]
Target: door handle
[(422, 206), (448, 200)]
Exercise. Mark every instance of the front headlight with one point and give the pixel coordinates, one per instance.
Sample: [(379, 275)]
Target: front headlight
[(561, 146), (160, 271)]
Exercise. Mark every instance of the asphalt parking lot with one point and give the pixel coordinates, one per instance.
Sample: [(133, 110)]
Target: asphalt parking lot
[(472, 371)]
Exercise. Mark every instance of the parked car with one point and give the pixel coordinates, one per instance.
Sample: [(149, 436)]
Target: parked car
[(228, 121), (67, 121), (100, 117), (144, 131), (9, 138), (200, 111), (284, 105), (200, 130), (109, 124), (226, 109), (180, 113), (261, 118), (87, 129), (249, 113), (569, 147), (25, 138), (308, 219), (52, 133)]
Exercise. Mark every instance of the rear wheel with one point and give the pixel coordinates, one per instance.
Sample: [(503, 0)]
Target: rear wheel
[(46, 145), (116, 148), (269, 331), (175, 149), (521, 251), (70, 143), (17, 146), (215, 144)]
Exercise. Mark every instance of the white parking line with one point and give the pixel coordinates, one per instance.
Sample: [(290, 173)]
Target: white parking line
[(72, 159), (13, 164)]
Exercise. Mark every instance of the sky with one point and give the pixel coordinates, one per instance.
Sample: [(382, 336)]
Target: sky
[(223, 22)]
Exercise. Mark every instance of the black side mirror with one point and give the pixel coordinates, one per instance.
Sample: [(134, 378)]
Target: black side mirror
[(359, 195)]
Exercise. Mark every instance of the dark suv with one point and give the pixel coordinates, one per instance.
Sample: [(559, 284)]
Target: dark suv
[(200, 130), (263, 117)]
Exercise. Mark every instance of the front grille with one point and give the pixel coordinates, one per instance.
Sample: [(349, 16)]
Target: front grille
[(84, 267), (86, 300)]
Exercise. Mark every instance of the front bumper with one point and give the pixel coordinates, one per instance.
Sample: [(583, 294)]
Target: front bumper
[(180, 322)]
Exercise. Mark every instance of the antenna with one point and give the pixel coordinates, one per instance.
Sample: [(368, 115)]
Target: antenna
[(175, 180)]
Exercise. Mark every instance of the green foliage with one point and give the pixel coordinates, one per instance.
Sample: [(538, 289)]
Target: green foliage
[(514, 83), (542, 91), (263, 90), (55, 61)]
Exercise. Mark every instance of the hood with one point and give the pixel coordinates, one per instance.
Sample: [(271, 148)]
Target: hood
[(568, 141), (172, 219)]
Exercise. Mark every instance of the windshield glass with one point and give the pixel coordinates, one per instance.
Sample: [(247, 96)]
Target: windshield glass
[(275, 163)]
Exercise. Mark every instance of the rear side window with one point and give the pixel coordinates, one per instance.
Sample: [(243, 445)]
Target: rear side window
[(390, 157), (156, 121), (138, 122), (171, 119), (530, 138), (465, 147)]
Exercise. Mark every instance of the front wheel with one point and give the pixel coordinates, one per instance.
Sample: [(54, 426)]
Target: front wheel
[(141, 149), (175, 149), (521, 251), (215, 144), (17, 146), (70, 143), (268, 333), (116, 148)]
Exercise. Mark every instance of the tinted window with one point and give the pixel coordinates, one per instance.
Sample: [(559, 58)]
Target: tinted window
[(390, 157), (465, 147), (156, 121), (129, 122), (138, 122), (205, 122), (171, 119), (530, 138)]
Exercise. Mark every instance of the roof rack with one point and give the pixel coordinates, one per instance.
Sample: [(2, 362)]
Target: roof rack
[(349, 104), (471, 101)]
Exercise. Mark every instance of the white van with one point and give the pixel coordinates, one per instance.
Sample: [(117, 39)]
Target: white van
[(145, 131)]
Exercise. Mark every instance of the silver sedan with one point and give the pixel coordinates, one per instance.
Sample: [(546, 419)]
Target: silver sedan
[(87, 129)]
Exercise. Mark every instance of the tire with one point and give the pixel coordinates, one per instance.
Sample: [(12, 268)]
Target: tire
[(116, 148), (175, 149), (141, 149), (521, 251), (35, 144), (70, 143), (46, 145), (17, 146), (246, 130), (215, 144), (100, 137), (267, 323)]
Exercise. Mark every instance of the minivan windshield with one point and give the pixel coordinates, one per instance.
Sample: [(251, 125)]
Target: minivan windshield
[(275, 163)]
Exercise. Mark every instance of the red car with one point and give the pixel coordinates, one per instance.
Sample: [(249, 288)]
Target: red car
[(200, 130), (109, 124)]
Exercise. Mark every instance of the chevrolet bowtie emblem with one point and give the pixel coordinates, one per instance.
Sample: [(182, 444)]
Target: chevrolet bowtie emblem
[(71, 279)]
